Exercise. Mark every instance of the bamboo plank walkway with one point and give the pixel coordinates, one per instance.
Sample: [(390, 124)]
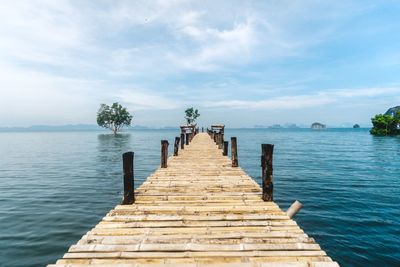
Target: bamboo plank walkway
[(199, 211)]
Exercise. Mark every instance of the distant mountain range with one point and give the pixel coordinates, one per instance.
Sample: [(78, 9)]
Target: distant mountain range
[(93, 127), (63, 128)]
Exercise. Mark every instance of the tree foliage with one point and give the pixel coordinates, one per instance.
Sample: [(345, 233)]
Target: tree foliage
[(114, 117), (386, 124), (191, 115)]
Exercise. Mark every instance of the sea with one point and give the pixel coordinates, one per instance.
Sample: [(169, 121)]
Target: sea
[(56, 186)]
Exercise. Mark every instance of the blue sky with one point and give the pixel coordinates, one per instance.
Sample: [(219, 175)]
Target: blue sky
[(242, 63)]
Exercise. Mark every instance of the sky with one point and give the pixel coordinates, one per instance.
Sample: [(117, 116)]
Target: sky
[(242, 63)]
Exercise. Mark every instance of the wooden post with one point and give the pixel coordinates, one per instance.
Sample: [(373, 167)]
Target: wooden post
[(182, 141), (176, 146), (215, 136), (225, 153), (127, 166), (294, 208), (187, 138), (164, 153), (221, 141), (202, 129), (267, 170), (234, 152)]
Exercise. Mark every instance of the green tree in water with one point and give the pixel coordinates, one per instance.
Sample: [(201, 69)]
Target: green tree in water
[(114, 117), (386, 124), (191, 115)]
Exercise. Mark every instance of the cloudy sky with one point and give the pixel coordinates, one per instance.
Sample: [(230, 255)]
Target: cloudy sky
[(240, 62)]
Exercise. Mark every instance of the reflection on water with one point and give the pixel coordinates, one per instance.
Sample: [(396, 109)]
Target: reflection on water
[(110, 147)]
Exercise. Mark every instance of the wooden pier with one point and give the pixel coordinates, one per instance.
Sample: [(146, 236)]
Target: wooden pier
[(198, 211)]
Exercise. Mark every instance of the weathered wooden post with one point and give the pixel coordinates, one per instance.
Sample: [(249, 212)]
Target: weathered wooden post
[(164, 153), (176, 146), (215, 136), (225, 153), (234, 154), (267, 170), (294, 209), (127, 166), (221, 141), (187, 138), (182, 141), (202, 129)]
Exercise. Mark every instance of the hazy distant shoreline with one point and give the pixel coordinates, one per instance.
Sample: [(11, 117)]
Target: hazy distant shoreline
[(95, 128)]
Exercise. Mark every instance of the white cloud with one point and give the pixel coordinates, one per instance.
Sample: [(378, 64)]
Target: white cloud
[(40, 32), (304, 101), (30, 97), (141, 100), (217, 48)]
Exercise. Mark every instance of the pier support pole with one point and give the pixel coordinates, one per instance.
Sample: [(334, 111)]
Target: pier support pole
[(127, 166), (187, 138), (294, 209), (234, 154), (182, 141), (176, 146), (267, 170), (221, 141), (225, 153), (164, 153)]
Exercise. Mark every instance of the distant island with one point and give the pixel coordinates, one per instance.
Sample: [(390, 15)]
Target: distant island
[(278, 126), (388, 123), (356, 126), (317, 125)]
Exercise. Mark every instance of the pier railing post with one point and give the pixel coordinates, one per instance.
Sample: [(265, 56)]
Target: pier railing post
[(234, 154), (176, 146), (182, 141), (187, 138), (164, 153), (221, 141), (267, 170), (127, 166), (225, 153)]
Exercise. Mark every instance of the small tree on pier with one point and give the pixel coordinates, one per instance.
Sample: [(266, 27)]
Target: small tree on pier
[(191, 115), (114, 117)]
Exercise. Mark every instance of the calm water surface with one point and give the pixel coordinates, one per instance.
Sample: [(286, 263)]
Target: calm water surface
[(56, 186)]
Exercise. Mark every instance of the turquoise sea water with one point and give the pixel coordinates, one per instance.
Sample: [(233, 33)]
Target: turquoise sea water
[(55, 186)]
